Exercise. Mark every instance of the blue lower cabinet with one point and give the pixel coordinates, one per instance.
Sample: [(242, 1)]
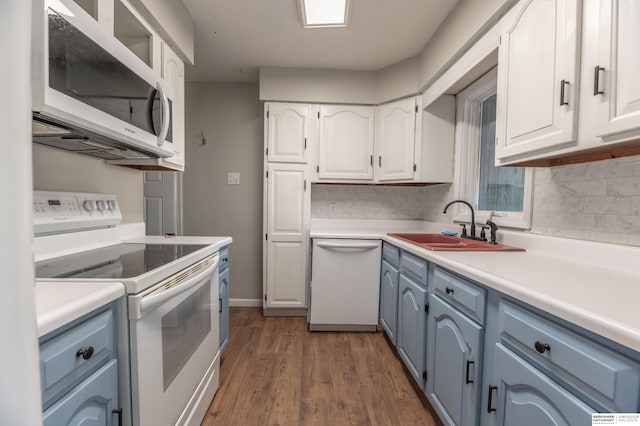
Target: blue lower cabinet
[(454, 345), (412, 327), (223, 288), (522, 395), (91, 403), (389, 280)]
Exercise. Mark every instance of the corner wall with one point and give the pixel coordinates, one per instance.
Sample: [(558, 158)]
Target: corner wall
[(230, 117)]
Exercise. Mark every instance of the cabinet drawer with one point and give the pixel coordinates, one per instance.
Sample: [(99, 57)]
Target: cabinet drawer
[(391, 254), (414, 267), (224, 259), (467, 297), (601, 374), (61, 364)]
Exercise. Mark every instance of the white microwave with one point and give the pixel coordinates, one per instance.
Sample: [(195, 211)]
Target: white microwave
[(90, 93)]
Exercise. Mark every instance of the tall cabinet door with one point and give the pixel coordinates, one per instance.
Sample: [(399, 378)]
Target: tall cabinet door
[(346, 142), (287, 224), (395, 141), (287, 132), (538, 78), (412, 327), (616, 85), (455, 347)]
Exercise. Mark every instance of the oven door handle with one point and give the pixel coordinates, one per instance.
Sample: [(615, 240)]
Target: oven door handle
[(146, 303)]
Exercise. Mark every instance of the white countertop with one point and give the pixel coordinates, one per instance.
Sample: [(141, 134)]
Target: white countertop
[(58, 303), (593, 285)]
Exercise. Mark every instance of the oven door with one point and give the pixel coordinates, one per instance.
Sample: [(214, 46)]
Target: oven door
[(174, 336)]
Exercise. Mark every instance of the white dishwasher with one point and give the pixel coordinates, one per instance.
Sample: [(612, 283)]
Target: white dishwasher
[(345, 285)]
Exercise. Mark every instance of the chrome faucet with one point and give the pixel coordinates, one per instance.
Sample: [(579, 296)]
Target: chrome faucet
[(473, 216)]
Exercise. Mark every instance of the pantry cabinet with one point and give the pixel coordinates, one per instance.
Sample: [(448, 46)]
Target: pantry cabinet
[(289, 129), (286, 224), (537, 106), (616, 83), (345, 146)]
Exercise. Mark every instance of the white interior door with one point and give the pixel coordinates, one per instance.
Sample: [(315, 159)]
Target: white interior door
[(162, 203)]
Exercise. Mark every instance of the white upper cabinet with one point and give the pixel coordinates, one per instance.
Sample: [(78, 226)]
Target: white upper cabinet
[(288, 132), (538, 78), (616, 82), (395, 141), (173, 73), (345, 148)]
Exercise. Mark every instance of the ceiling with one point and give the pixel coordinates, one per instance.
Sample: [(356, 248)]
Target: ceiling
[(233, 38)]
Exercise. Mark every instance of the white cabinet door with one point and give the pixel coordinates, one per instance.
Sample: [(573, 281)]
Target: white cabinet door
[(287, 132), (287, 224), (346, 143), (616, 82), (538, 78), (173, 73), (395, 141)]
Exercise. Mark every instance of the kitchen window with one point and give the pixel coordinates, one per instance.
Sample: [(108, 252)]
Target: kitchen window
[(505, 190)]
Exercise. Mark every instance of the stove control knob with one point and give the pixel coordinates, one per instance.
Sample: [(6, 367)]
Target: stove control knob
[(102, 204), (89, 205)]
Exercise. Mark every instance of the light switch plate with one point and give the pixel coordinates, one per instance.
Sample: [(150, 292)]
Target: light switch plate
[(233, 178)]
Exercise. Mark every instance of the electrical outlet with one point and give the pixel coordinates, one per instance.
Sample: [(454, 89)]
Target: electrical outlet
[(233, 178)]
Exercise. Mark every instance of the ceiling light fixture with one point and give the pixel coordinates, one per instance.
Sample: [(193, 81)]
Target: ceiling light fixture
[(325, 13)]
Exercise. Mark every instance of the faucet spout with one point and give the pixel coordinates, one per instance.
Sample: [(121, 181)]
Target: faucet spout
[(473, 216)]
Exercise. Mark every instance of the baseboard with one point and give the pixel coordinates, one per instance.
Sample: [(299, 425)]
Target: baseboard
[(251, 303)]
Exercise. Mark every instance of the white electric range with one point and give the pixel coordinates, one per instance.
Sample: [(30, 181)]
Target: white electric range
[(169, 326)]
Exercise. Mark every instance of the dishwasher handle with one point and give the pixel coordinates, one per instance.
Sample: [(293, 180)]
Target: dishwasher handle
[(347, 246)]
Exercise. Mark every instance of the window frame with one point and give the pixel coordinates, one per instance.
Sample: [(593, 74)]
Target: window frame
[(467, 143)]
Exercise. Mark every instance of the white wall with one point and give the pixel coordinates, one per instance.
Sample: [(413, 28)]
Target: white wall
[(230, 117), (57, 170)]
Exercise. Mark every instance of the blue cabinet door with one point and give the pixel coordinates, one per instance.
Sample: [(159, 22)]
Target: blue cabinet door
[(91, 403), (412, 327), (389, 277), (455, 364), (524, 396), (223, 288)]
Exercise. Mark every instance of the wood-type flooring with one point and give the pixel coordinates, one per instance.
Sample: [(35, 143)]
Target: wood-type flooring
[(276, 372)]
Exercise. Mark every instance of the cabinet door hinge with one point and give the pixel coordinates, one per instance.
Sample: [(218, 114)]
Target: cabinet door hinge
[(265, 297), (416, 108), (426, 307), (266, 151), (424, 375), (265, 237), (267, 174), (317, 169), (305, 185), (267, 113), (318, 114), (305, 143), (415, 167)]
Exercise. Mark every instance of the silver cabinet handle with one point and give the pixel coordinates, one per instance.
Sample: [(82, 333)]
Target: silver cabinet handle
[(596, 81), (563, 84)]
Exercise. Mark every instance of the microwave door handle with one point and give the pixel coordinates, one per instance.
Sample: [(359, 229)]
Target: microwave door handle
[(164, 110), (148, 303)]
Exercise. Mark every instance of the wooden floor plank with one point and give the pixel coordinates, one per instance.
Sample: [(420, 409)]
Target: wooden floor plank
[(275, 372)]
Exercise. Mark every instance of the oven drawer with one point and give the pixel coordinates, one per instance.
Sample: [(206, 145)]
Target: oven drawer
[(68, 357), (586, 366), (464, 295)]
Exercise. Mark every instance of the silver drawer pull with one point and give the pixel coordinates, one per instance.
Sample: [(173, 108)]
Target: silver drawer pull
[(542, 347)]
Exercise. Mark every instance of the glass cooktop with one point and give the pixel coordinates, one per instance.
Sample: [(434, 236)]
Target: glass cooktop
[(120, 261)]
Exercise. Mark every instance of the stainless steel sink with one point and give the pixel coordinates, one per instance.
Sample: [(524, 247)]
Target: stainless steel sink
[(438, 242)]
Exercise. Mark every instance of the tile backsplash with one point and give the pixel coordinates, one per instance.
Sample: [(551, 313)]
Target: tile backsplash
[(597, 201)]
